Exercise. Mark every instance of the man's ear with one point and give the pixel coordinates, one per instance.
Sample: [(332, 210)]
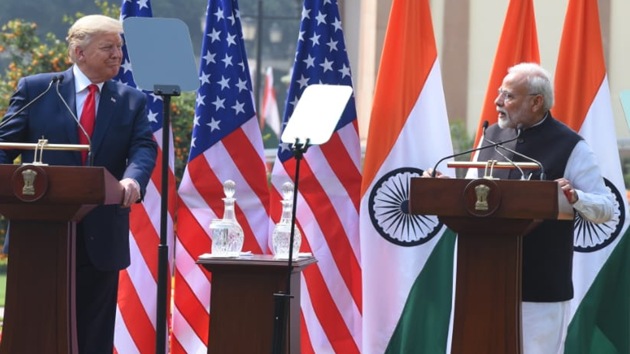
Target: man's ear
[(79, 53), (539, 103)]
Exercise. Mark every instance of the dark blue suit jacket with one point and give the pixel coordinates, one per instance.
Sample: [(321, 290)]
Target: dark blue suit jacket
[(122, 142)]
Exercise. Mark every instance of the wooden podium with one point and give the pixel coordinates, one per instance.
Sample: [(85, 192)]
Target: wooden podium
[(242, 302), (43, 204), (490, 218)]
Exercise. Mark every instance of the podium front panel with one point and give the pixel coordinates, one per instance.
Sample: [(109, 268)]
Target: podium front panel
[(242, 302)]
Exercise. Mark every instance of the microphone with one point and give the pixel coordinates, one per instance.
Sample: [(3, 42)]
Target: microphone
[(540, 165), (9, 118), (496, 149), (88, 160), (485, 125)]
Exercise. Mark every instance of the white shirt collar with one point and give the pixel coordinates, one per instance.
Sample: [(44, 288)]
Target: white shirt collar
[(81, 82)]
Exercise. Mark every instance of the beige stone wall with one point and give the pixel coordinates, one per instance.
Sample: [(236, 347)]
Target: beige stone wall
[(467, 34)]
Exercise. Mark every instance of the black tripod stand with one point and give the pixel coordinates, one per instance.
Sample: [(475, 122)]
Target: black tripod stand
[(166, 91), (282, 299)]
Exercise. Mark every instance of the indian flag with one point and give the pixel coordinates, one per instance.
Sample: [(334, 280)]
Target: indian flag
[(601, 307), (407, 260), (518, 44)]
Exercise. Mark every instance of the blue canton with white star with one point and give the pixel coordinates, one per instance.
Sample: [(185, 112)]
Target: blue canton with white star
[(224, 100), (139, 8), (320, 58)]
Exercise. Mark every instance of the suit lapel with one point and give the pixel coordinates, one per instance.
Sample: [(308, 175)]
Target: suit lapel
[(68, 92)]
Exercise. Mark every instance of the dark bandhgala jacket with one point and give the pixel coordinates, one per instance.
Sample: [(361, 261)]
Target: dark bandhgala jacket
[(548, 248)]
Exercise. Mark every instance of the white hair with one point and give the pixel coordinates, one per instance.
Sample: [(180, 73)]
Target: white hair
[(537, 79)]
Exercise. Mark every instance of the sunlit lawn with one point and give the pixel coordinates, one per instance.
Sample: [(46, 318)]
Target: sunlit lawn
[(3, 284), (3, 287)]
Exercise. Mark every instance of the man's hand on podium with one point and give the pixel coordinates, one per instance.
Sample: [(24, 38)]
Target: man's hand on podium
[(429, 173), (132, 192), (568, 190)]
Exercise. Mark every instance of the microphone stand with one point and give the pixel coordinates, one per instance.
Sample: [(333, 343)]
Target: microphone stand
[(166, 91), (282, 299), (500, 143), (540, 165), (510, 161)]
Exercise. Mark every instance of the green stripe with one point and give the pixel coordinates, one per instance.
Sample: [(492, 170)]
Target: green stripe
[(601, 324), (423, 326)]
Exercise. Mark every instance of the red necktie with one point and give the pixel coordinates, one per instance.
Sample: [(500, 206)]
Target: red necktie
[(88, 116)]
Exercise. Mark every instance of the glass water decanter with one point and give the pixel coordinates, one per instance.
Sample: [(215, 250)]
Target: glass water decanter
[(281, 235), (227, 234)]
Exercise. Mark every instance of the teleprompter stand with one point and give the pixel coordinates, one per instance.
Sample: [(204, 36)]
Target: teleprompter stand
[(314, 120), (161, 53), (282, 298)]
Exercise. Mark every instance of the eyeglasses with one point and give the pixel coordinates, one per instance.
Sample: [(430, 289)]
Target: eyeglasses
[(509, 96)]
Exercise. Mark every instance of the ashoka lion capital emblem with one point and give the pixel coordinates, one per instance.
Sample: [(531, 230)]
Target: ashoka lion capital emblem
[(29, 182), (482, 192)]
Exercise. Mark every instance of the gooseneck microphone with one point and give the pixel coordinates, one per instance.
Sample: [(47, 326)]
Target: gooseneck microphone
[(540, 165), (88, 160), (496, 149), (485, 125), (9, 118)]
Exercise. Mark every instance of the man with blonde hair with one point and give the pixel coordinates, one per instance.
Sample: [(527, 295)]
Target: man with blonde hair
[(113, 121)]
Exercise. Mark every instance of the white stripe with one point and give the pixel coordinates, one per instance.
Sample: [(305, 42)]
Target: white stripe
[(340, 200), (598, 130), (193, 276), (143, 283), (196, 205), (123, 342), (252, 131), (314, 329), (350, 138), (158, 138), (185, 335), (153, 209)]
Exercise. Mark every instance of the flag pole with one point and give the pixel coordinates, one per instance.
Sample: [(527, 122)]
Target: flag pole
[(166, 92), (259, 34), (282, 299)]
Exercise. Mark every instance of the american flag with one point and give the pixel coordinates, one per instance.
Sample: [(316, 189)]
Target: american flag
[(137, 294), (226, 144), (329, 189)]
